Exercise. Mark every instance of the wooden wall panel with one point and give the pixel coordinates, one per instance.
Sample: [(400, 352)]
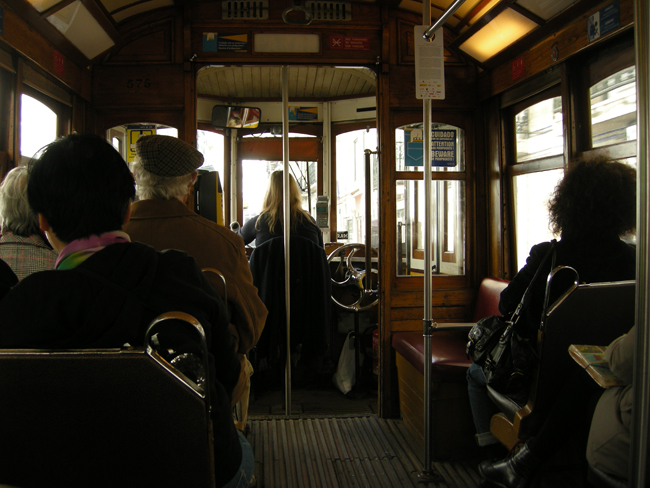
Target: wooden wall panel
[(300, 149), (105, 119), (152, 47), (152, 86), (326, 55), (569, 40), (460, 88), (24, 39)]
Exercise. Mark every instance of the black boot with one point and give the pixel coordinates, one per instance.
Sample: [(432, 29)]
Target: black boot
[(515, 471)]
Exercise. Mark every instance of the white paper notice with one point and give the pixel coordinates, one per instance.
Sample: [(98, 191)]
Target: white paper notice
[(429, 65)]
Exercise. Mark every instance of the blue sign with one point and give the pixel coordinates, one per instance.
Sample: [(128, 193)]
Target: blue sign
[(443, 147), (225, 43), (413, 149), (604, 21), (303, 113)]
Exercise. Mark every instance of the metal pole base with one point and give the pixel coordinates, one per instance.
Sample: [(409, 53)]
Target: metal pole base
[(429, 476)]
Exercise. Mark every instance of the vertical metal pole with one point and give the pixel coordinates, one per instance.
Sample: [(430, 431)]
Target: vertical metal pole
[(287, 228), (639, 430), (368, 182), (327, 167), (234, 175), (426, 322)]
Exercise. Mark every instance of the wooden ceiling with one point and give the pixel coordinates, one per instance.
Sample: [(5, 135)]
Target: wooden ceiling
[(264, 83)]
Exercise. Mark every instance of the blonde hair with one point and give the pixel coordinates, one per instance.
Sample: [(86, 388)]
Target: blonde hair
[(272, 206)]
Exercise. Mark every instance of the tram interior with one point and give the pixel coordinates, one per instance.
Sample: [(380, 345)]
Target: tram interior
[(530, 87)]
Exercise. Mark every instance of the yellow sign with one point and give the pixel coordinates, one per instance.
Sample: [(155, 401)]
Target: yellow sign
[(133, 133)]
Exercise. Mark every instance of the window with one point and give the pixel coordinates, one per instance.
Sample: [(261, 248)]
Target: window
[(255, 181), (531, 195), (211, 144), (448, 200), (535, 168), (613, 108), (38, 126), (351, 186), (538, 130)]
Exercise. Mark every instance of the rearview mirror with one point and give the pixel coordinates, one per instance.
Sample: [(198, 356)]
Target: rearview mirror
[(225, 116)]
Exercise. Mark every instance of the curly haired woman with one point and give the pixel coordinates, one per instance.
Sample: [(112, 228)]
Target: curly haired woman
[(591, 209)]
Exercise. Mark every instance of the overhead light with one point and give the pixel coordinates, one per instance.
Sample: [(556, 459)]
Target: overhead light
[(502, 31), (82, 29), (545, 8)]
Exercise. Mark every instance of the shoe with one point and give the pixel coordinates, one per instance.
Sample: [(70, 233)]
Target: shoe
[(493, 452), (515, 471)]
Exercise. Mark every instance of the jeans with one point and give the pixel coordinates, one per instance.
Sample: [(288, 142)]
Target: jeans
[(246, 468), (482, 407)]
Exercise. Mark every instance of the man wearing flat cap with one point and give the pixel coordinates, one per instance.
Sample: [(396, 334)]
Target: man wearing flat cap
[(165, 171)]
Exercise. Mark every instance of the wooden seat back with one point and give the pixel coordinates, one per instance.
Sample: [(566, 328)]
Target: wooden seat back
[(101, 418), (595, 313)]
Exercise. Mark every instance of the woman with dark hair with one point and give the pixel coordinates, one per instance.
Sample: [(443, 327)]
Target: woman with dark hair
[(591, 209), (269, 223)]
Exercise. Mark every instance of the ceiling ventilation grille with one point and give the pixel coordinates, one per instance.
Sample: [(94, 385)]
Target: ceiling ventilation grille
[(245, 9), (330, 10)]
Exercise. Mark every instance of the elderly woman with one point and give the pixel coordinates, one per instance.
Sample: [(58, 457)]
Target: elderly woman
[(22, 246), (591, 209)]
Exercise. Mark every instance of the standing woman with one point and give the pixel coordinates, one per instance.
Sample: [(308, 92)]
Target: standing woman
[(269, 223), (22, 246)]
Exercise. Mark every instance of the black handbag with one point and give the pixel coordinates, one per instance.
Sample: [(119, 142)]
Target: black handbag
[(506, 358), (483, 336)]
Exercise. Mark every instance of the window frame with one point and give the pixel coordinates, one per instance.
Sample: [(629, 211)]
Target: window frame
[(464, 121), (539, 165)]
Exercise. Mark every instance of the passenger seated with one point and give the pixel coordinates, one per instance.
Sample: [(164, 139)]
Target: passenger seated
[(22, 246), (608, 447), (165, 171), (105, 290), (7, 278), (591, 208), (581, 404), (269, 223)]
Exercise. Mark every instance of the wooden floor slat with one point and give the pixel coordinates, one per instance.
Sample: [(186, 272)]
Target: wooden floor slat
[(347, 452)]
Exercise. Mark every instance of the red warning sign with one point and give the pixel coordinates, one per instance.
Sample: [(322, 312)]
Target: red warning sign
[(518, 68), (349, 43), (59, 63)]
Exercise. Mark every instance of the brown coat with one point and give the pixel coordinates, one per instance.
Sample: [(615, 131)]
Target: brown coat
[(169, 224)]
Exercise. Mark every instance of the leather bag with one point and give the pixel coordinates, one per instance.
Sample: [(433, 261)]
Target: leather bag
[(506, 358)]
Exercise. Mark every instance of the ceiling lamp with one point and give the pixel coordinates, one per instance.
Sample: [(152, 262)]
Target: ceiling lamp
[(499, 33)]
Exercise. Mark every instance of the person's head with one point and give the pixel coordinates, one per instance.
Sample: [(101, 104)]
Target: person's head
[(165, 168), (595, 198), (272, 205), (17, 216), (80, 186)]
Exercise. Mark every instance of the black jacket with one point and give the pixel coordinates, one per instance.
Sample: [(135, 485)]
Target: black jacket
[(595, 260), (305, 228), (109, 300), (311, 291)]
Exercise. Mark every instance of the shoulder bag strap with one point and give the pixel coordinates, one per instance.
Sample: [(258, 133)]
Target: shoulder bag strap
[(525, 299)]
